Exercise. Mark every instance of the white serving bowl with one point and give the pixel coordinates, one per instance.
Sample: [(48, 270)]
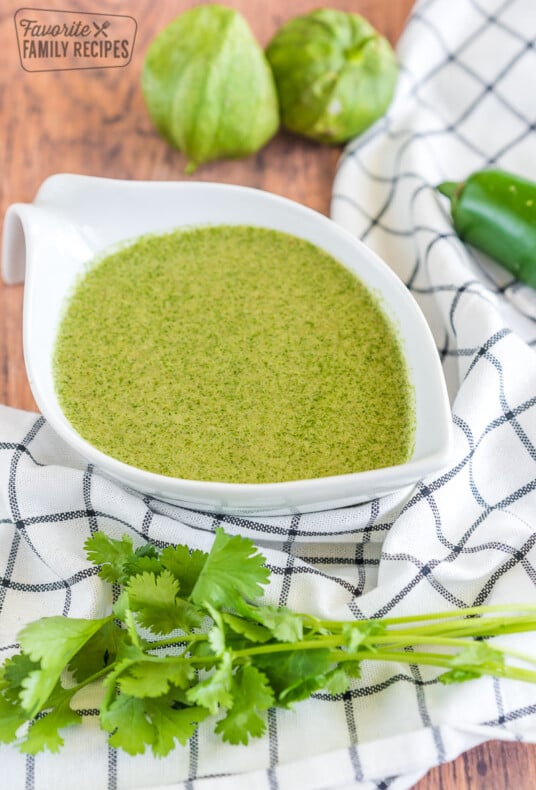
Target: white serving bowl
[(74, 217)]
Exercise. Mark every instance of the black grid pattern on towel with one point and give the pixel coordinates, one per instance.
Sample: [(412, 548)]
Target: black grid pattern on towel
[(341, 552)]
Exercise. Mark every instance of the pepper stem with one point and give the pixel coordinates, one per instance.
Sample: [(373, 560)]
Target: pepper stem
[(191, 167), (449, 188)]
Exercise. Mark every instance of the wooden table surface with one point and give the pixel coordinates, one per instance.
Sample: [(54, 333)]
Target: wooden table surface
[(94, 122)]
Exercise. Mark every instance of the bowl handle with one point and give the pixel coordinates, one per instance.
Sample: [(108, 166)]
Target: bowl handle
[(14, 243), (28, 231)]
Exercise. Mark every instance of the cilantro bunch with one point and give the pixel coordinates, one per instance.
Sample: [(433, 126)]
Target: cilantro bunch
[(188, 638)]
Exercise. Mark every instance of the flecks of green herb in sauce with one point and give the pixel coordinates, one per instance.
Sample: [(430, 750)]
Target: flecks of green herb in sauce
[(233, 354)]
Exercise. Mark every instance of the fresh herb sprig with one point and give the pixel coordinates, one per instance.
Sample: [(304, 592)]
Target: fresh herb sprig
[(189, 638)]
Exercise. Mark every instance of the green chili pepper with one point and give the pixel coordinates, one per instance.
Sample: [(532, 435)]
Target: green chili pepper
[(496, 212)]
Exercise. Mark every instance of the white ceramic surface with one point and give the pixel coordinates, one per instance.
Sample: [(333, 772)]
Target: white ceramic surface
[(74, 217)]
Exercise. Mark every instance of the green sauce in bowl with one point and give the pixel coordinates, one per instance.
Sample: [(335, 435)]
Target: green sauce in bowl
[(233, 354)]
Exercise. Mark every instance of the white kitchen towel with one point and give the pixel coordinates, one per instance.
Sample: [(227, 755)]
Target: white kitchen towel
[(465, 100)]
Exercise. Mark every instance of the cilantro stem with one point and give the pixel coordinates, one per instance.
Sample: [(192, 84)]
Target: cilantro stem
[(461, 613), (472, 629), (437, 660), (91, 678), (130, 623), (432, 659), (499, 630), (391, 638), (455, 614), (476, 627), (338, 641), (285, 647), (518, 655), (177, 640), (414, 639)]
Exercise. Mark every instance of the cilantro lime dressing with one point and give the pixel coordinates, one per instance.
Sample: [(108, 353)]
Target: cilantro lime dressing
[(233, 354)]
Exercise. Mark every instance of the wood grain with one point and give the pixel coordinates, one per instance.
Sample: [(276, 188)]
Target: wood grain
[(94, 122)]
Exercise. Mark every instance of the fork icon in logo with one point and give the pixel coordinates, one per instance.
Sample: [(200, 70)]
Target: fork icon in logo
[(101, 29)]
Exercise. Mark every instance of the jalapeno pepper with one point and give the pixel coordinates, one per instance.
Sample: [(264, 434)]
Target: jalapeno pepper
[(495, 211)]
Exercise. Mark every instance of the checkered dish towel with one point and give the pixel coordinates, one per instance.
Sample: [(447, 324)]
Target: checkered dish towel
[(465, 101)]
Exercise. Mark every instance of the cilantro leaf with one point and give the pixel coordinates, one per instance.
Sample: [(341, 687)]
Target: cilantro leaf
[(252, 694), (127, 655), (185, 566), (153, 678), (473, 661), (138, 565), (356, 632), (478, 654), (156, 722), (234, 569), (215, 691), (202, 649), (120, 607), (147, 550), (252, 631), (118, 558), (296, 674), (44, 731), (12, 716), (127, 720), (458, 675), (337, 681), (216, 639), (52, 641), (157, 605), (301, 690), (99, 651), (352, 669), (172, 724), (285, 625), (111, 554), (15, 670)]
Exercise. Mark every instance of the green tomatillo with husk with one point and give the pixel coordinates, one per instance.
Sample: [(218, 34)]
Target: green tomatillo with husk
[(335, 74), (208, 86)]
